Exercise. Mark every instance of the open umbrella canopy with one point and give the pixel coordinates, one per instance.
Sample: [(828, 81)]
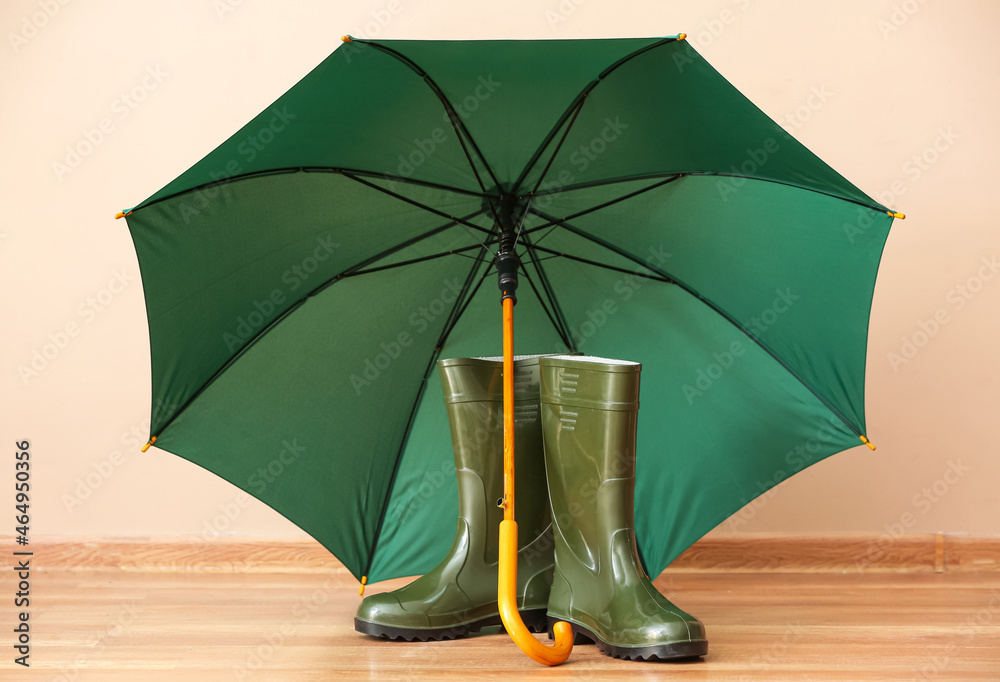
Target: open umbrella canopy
[(303, 278)]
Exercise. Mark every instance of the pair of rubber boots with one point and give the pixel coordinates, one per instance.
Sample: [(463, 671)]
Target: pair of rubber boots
[(577, 559)]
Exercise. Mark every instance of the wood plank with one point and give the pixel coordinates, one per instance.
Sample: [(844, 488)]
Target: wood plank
[(109, 624)]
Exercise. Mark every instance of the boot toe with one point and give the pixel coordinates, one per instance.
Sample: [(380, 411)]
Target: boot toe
[(674, 631), (667, 639), (385, 609)]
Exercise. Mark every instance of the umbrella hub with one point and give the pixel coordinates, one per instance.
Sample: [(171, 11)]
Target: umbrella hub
[(508, 215)]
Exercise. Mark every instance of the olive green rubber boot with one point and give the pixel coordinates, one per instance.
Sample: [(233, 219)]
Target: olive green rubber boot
[(459, 597), (589, 411)]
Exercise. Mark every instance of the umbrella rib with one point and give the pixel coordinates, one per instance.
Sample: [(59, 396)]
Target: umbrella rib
[(555, 153), (455, 252), (414, 202), (458, 133), (579, 259), (563, 326), (337, 170), (319, 288), (702, 173), (613, 181), (574, 105), (438, 347), (714, 306), (395, 467), (555, 324), (874, 207), (531, 283), (451, 323), (398, 247), (610, 202), (456, 122), (456, 311), (578, 101), (394, 178)]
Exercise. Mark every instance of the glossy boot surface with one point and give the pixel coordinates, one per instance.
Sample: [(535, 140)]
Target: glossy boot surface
[(459, 597), (589, 410)]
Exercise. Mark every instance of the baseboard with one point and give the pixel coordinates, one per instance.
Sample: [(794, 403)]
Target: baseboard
[(835, 553), (759, 553), (222, 554)]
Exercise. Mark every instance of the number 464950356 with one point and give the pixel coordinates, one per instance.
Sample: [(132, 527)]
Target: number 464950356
[(22, 487)]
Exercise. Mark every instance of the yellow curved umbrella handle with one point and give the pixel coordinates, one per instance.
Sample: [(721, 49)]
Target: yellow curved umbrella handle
[(507, 578), (507, 598)]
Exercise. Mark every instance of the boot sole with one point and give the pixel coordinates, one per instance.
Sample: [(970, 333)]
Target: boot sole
[(534, 619), (675, 651)]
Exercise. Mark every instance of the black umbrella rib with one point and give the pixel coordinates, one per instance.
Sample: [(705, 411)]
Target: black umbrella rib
[(874, 207), (449, 322), (453, 252), (446, 332), (395, 467), (555, 152), (610, 202), (578, 102), (612, 181), (392, 178), (319, 288), (574, 106), (714, 306), (531, 283), (703, 173), (564, 336), (414, 202), (453, 116), (398, 247), (464, 296), (563, 326), (655, 277), (336, 170)]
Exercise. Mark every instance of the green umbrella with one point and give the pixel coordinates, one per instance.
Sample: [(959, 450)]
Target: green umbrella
[(304, 277)]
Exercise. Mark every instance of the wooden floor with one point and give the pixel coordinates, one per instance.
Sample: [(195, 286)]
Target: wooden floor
[(170, 622)]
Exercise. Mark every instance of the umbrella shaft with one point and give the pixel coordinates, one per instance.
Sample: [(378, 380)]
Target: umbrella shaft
[(508, 409), (507, 570)]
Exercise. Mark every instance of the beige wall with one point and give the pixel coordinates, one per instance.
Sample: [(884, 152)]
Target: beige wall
[(867, 84)]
